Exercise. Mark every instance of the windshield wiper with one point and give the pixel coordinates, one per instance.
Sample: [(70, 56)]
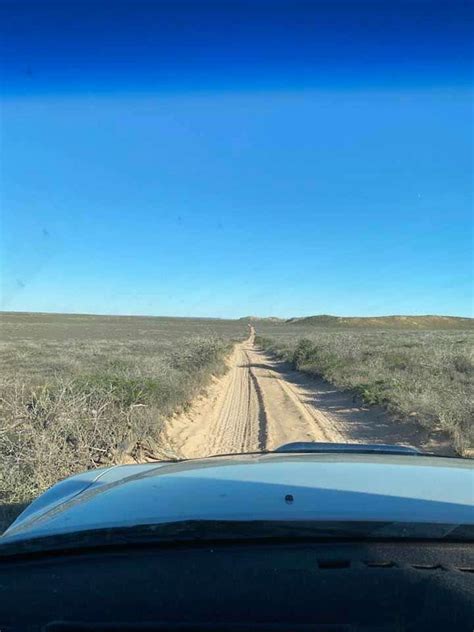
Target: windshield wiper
[(316, 447), (352, 448), (220, 531)]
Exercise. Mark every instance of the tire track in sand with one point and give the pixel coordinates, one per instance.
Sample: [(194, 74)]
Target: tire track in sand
[(231, 419), (262, 413), (261, 403)]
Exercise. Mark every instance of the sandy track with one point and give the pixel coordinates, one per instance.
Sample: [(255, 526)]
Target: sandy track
[(231, 419), (262, 403)]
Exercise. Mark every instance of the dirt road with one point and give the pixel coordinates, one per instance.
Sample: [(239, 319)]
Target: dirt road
[(261, 403)]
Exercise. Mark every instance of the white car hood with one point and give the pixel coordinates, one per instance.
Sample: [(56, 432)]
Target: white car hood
[(316, 487)]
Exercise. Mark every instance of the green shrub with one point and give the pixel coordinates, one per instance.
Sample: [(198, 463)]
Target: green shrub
[(427, 375), (110, 397)]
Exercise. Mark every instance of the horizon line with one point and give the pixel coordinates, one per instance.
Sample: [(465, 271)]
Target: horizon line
[(252, 316)]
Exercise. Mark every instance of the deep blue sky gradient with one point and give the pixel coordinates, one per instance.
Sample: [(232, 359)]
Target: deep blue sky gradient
[(231, 158)]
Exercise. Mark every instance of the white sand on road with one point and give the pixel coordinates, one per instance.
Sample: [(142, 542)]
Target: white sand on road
[(261, 403)]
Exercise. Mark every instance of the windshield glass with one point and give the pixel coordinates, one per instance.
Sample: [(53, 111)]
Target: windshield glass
[(232, 226)]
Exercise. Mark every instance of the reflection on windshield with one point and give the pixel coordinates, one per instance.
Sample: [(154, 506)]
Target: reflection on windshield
[(228, 227)]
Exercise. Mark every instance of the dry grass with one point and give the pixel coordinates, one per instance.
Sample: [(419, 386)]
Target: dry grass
[(428, 376), (80, 392)]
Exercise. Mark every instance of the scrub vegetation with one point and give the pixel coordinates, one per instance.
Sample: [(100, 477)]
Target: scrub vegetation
[(427, 375), (79, 392)]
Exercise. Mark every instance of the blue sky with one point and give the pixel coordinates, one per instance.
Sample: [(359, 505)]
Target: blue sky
[(198, 159)]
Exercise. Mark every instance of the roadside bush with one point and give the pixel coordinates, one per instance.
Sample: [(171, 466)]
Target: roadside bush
[(428, 376), (102, 408)]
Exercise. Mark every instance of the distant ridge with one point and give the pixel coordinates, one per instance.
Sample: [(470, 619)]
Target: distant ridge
[(393, 322), (382, 322), (267, 319)]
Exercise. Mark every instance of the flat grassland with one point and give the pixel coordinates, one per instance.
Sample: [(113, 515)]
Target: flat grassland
[(78, 392), (423, 369)]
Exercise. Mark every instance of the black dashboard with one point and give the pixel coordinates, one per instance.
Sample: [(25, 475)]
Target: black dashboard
[(236, 586)]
